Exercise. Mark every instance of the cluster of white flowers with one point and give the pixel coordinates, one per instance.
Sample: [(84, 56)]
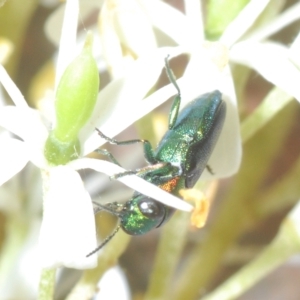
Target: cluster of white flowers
[(68, 218)]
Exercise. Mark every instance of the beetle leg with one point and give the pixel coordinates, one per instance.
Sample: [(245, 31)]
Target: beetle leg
[(148, 150), (209, 169), (177, 99), (119, 175), (160, 170), (108, 154)]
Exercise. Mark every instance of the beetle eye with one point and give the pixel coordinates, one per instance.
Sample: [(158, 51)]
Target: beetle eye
[(142, 215), (152, 209)]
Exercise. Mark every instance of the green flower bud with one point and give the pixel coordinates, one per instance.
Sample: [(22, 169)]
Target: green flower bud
[(76, 97), (58, 152)]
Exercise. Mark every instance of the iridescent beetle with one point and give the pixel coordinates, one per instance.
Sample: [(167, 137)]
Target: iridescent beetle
[(176, 163)]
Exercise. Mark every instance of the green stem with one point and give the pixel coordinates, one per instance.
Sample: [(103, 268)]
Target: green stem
[(47, 284), (274, 102), (87, 286), (169, 249), (16, 232)]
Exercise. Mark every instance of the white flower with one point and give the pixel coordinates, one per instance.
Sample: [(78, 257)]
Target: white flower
[(68, 231), (65, 205), (27, 124), (207, 70), (274, 61)]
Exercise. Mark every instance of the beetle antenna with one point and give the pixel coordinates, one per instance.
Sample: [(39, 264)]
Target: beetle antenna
[(171, 75), (105, 241), (105, 208)]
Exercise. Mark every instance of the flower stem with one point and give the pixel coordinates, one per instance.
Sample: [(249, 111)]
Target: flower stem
[(168, 254), (47, 283), (87, 285), (272, 104)]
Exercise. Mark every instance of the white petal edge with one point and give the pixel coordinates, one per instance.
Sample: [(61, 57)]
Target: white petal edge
[(2, 97), (67, 42), (193, 10), (132, 181), (294, 51), (170, 21), (13, 91), (127, 15), (294, 217), (243, 21), (68, 231), (271, 61), (284, 19), (13, 158), (25, 123), (54, 22), (113, 285)]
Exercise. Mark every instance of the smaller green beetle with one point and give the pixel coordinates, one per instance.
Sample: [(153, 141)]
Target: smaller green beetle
[(176, 163)]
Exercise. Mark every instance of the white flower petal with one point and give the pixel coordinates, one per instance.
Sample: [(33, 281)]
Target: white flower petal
[(193, 11), (27, 124), (2, 97), (68, 38), (243, 21), (227, 155), (132, 181), (6, 49), (226, 158), (24, 122), (271, 61), (113, 285), (294, 51), (54, 22), (13, 158), (284, 19), (170, 21), (68, 229), (111, 46), (11, 88), (294, 217), (128, 15)]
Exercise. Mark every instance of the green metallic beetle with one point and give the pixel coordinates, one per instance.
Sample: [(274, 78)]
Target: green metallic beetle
[(176, 163)]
